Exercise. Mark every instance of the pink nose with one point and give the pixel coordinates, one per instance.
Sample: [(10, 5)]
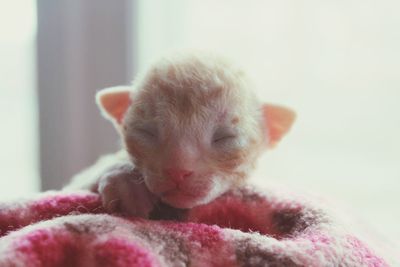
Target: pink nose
[(178, 175)]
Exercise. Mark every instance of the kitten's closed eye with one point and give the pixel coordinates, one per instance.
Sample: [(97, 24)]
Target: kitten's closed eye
[(146, 131), (224, 135), (223, 138)]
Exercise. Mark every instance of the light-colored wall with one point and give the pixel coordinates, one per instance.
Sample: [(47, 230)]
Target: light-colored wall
[(335, 62)]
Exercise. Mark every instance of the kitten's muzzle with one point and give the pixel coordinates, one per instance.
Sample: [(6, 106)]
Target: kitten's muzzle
[(177, 175)]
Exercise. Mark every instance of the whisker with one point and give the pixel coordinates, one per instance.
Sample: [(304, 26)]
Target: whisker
[(138, 180)]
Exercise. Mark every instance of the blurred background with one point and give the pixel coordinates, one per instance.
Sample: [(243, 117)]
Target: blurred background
[(335, 62)]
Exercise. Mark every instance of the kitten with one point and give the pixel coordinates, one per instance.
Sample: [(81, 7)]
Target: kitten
[(192, 130)]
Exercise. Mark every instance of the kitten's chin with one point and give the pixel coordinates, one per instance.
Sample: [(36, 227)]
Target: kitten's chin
[(182, 200)]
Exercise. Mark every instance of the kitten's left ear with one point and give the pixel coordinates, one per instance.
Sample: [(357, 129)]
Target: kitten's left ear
[(114, 102), (278, 121)]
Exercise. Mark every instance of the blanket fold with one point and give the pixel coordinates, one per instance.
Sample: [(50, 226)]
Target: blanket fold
[(241, 228)]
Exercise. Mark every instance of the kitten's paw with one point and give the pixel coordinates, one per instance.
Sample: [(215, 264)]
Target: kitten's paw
[(123, 190)]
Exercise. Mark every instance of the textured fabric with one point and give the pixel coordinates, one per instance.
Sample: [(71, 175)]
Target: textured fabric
[(241, 228)]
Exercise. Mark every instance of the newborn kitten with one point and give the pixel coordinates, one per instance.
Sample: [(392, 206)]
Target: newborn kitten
[(192, 130)]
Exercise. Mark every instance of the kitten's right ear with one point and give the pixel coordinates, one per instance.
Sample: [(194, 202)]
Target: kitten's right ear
[(114, 102), (278, 120)]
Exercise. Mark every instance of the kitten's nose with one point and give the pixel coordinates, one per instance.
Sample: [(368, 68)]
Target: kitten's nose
[(177, 175)]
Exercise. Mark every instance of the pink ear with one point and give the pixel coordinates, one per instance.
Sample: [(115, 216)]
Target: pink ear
[(278, 121), (114, 102)]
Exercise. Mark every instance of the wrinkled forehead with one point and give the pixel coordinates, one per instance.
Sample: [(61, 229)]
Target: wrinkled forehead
[(189, 91), (186, 103), (194, 92)]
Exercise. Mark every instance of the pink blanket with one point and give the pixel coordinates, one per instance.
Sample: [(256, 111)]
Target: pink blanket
[(242, 228)]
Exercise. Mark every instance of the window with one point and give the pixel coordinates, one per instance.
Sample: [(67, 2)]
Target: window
[(18, 134)]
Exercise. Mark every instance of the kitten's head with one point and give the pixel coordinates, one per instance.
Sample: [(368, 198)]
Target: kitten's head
[(193, 127)]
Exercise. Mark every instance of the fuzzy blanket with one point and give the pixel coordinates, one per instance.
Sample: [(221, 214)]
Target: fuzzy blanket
[(242, 228)]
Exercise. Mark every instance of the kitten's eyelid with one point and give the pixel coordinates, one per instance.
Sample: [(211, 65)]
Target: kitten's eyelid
[(224, 134), (223, 138), (147, 130)]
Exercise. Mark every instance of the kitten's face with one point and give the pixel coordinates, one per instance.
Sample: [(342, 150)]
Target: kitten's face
[(192, 140)]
